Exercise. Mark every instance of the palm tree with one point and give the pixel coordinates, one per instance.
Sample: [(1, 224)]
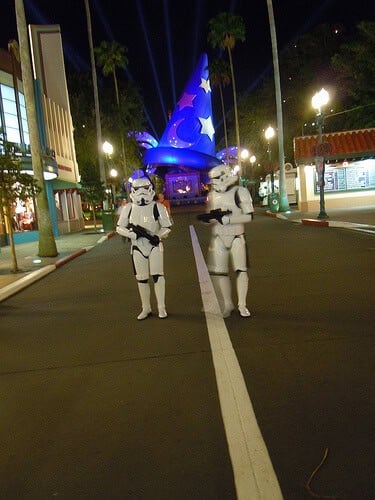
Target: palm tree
[(110, 56), (284, 204), (220, 77), (224, 31), (47, 244)]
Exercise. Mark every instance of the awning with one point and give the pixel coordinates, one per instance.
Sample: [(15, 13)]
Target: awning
[(347, 145), (58, 185)]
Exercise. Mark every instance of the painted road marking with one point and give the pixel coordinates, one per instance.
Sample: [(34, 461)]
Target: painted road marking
[(254, 475)]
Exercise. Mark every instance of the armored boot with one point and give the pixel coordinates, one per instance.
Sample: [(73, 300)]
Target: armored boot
[(159, 287), (242, 286), (144, 292), (223, 290)]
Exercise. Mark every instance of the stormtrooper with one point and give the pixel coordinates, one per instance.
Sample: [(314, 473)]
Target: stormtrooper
[(146, 223), (230, 208)]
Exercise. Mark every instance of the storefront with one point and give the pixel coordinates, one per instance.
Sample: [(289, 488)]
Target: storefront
[(349, 179)]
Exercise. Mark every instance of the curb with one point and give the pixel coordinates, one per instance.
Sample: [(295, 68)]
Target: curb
[(314, 222), (276, 215), (326, 223), (36, 275)]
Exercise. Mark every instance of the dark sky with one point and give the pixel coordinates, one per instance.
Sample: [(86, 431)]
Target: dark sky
[(166, 37)]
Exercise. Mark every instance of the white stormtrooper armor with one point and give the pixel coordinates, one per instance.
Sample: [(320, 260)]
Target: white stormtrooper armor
[(150, 219), (228, 239)]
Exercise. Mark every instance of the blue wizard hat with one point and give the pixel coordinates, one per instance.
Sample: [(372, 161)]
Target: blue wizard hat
[(189, 138)]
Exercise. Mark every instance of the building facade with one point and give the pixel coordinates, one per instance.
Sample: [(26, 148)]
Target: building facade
[(55, 131)]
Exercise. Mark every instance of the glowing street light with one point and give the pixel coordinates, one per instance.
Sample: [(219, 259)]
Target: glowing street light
[(244, 154), (107, 148), (269, 133), (318, 101)]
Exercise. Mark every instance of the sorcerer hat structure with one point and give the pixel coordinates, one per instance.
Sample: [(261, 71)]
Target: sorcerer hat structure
[(189, 138)]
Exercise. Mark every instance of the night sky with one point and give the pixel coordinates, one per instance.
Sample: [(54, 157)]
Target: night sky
[(166, 37)]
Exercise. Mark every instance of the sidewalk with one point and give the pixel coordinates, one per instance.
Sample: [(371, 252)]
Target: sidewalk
[(70, 246), (31, 267), (348, 218)]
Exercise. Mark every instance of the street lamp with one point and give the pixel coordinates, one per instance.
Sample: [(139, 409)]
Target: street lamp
[(270, 134), (318, 101), (246, 174), (108, 150), (244, 155)]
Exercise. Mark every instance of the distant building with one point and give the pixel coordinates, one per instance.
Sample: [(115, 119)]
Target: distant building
[(55, 129), (349, 169)]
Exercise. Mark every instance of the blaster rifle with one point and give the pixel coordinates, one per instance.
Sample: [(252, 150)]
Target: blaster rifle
[(141, 232), (217, 214)]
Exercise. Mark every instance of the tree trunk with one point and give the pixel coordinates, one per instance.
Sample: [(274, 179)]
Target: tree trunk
[(224, 123), (96, 97), (15, 268), (94, 217), (116, 88), (47, 244), (284, 204), (235, 110), (125, 167)]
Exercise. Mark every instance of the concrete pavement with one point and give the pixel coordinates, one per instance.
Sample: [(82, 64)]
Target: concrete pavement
[(77, 419), (31, 267), (70, 246)]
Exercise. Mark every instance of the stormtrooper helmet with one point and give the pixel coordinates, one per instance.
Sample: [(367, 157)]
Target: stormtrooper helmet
[(222, 177), (142, 191)]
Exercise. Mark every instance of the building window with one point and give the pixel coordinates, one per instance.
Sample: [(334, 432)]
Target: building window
[(9, 118), (25, 126)]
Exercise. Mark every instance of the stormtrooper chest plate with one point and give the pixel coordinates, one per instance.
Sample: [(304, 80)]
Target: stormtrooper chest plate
[(144, 216)]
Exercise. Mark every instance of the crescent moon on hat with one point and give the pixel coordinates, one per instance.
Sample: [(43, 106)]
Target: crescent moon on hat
[(173, 138)]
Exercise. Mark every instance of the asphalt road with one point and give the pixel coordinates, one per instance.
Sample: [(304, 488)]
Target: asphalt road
[(95, 404)]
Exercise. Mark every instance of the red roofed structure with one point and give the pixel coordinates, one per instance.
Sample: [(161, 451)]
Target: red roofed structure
[(342, 145), (349, 169)]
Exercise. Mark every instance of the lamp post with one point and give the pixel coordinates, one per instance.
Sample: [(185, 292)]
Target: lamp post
[(108, 150), (318, 101), (244, 155), (252, 160), (248, 160), (270, 134), (251, 181)]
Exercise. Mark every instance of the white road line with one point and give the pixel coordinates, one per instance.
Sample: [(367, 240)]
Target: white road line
[(253, 471)]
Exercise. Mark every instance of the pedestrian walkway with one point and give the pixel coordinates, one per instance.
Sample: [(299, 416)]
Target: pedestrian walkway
[(338, 217), (69, 246), (32, 267)]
